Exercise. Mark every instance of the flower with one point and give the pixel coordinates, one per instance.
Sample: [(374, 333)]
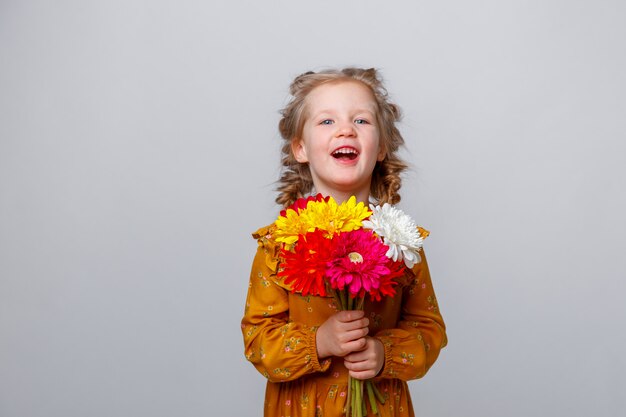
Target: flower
[(289, 226), (304, 268), (334, 218), (357, 263), (319, 213), (398, 231), (301, 203), (388, 281)]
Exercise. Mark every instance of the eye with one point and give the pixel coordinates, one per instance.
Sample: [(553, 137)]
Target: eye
[(361, 122), (326, 122)]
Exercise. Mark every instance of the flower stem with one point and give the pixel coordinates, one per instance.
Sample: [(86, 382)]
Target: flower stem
[(372, 397), (377, 393), (355, 400), (344, 301), (349, 397), (359, 398), (363, 408), (356, 405), (359, 303)]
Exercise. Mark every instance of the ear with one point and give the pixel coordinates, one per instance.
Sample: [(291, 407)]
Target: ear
[(299, 151), (381, 153)]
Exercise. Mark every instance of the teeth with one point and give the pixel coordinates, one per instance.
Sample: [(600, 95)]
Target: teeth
[(345, 151)]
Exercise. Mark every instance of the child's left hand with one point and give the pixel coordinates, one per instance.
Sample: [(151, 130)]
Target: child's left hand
[(366, 363)]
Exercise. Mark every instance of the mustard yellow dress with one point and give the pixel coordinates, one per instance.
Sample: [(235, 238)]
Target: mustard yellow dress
[(279, 330)]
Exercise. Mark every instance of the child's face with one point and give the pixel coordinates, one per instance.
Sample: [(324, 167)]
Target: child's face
[(340, 139)]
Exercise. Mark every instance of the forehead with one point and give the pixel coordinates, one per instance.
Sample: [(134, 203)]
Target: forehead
[(341, 95)]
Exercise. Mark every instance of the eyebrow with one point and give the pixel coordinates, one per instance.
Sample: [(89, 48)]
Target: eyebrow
[(358, 111)]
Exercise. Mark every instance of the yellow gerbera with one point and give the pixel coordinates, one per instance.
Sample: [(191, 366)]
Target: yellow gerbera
[(290, 226), (333, 218), (327, 216)]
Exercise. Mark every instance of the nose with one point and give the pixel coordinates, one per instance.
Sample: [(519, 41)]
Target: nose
[(346, 130)]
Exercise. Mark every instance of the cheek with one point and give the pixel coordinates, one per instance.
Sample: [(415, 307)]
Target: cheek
[(315, 147), (377, 148)]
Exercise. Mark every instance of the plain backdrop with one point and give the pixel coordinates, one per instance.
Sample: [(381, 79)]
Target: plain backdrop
[(139, 150)]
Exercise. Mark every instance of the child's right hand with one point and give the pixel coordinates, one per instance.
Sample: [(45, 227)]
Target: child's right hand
[(343, 333)]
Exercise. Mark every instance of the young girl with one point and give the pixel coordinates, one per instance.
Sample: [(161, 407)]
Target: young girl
[(340, 140)]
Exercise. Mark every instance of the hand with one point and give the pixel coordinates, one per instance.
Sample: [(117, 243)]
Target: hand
[(343, 333), (366, 363)]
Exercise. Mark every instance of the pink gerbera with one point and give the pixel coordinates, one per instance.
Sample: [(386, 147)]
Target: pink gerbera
[(358, 263)]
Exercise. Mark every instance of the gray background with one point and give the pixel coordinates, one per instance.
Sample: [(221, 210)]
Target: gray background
[(138, 150)]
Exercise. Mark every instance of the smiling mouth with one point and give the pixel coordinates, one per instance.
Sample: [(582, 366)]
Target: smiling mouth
[(346, 154)]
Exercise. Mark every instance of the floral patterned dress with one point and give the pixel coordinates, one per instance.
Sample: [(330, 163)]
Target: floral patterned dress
[(279, 329)]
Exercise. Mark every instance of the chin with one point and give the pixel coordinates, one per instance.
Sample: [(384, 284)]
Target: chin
[(350, 186)]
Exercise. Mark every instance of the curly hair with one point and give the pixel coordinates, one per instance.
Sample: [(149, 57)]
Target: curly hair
[(296, 180)]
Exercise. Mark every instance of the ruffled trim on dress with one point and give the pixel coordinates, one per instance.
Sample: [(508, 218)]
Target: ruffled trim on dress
[(265, 239), (414, 272)]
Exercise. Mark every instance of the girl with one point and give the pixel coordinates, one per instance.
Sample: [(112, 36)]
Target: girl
[(340, 140)]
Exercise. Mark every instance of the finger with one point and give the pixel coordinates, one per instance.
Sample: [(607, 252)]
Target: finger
[(358, 366), (358, 356), (355, 324), (353, 335), (354, 345), (350, 315), (362, 374)]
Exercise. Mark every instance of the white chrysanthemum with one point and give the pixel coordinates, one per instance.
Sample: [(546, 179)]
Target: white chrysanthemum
[(398, 231)]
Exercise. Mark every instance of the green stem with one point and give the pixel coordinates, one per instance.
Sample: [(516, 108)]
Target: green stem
[(344, 301), (359, 399), (377, 393), (371, 397), (355, 411), (363, 409), (355, 401), (337, 299), (349, 397), (360, 303)]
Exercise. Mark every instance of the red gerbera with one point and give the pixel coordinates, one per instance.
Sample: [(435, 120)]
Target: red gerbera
[(304, 268), (387, 282)]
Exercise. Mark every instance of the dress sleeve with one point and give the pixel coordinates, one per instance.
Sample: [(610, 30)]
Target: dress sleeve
[(413, 346), (280, 349)]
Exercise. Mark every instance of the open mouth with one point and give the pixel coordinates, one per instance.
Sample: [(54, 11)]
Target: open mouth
[(346, 154)]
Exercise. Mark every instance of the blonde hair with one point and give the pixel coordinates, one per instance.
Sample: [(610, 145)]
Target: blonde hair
[(296, 180)]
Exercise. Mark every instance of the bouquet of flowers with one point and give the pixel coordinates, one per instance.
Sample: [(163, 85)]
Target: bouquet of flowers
[(347, 251)]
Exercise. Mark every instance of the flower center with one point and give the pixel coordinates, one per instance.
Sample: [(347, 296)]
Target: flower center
[(355, 257)]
